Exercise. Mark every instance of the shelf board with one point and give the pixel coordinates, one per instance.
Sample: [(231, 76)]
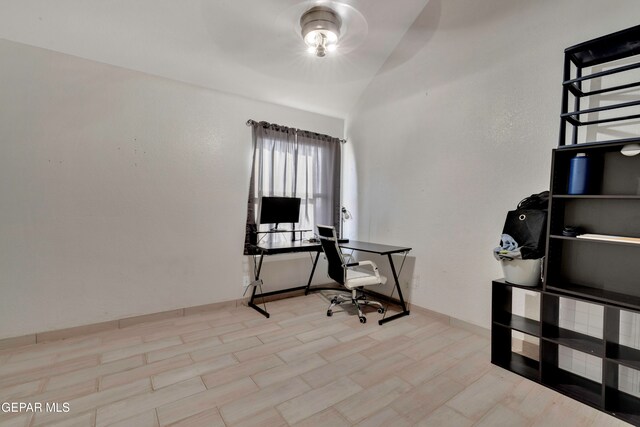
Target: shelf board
[(609, 145), (607, 48), (595, 295), (574, 386), (536, 288), (623, 355), (607, 242), (522, 366), (628, 416), (598, 196), (618, 106), (623, 405), (571, 118), (572, 339), (575, 90), (520, 324), (604, 73)]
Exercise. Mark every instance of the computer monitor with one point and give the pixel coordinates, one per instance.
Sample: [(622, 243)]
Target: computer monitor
[(278, 210)]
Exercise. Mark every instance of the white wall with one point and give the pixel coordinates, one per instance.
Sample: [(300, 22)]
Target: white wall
[(457, 127), (121, 193)]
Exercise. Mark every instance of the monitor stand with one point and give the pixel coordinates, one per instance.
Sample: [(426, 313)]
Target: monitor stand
[(293, 231)]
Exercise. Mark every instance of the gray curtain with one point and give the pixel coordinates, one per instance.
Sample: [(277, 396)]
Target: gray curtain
[(292, 163)]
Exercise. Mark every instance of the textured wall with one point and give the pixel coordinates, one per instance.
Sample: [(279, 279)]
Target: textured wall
[(456, 128), (121, 193)]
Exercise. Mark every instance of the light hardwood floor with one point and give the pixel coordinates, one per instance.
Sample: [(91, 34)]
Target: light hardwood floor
[(233, 367)]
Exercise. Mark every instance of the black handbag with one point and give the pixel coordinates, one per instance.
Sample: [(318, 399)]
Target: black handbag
[(535, 201), (528, 228)]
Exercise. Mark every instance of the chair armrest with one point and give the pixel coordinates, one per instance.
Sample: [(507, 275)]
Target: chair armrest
[(365, 262), (347, 257), (360, 263)]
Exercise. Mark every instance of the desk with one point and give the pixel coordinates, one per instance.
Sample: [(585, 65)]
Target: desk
[(293, 247), (387, 250)]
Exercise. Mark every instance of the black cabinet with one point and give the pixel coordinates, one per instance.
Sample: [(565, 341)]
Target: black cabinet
[(545, 367), (601, 87), (504, 322), (604, 270)]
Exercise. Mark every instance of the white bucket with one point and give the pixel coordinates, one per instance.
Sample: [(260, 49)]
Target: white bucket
[(525, 272)]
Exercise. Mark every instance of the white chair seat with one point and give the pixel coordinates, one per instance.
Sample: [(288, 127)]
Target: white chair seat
[(352, 275), (356, 278)]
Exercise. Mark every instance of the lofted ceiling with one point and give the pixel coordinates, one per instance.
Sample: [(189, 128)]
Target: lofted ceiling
[(251, 48)]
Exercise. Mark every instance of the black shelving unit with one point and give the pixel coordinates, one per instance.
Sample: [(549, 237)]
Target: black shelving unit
[(504, 321), (600, 270), (604, 395), (603, 273), (580, 58)]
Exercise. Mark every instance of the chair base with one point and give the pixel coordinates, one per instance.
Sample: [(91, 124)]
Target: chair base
[(355, 300)]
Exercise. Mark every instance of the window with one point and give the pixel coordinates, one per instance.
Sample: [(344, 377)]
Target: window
[(291, 163)]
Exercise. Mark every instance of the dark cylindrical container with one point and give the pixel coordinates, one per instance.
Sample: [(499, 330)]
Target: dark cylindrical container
[(579, 171)]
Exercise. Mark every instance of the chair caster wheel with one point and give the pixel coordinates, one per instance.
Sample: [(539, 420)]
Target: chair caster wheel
[(334, 300), (381, 310), (329, 313), (363, 319)]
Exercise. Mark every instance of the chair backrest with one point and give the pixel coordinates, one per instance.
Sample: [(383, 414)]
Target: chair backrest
[(332, 251)]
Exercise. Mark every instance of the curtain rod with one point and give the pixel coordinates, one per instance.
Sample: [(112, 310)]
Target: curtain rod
[(252, 122)]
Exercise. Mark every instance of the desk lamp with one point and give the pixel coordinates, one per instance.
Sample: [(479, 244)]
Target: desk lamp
[(344, 215)]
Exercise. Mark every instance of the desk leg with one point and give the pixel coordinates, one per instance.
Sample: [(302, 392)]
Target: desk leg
[(404, 312), (313, 270), (253, 291)]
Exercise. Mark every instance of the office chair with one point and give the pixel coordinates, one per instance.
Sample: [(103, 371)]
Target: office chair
[(346, 275)]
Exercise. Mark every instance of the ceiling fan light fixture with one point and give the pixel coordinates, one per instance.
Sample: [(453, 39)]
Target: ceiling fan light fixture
[(320, 29)]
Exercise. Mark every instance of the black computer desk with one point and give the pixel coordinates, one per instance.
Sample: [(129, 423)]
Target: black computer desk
[(301, 246)]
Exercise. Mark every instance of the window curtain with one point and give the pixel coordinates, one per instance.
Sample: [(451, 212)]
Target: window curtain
[(292, 163)]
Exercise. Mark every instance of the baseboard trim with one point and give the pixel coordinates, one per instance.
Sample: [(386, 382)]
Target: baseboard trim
[(13, 342), (471, 327), (455, 322), (61, 334), (437, 314), (152, 317)]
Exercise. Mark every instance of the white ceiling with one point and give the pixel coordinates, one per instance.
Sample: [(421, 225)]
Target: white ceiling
[(246, 47)]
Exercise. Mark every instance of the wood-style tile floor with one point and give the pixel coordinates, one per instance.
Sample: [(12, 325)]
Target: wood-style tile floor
[(233, 367)]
